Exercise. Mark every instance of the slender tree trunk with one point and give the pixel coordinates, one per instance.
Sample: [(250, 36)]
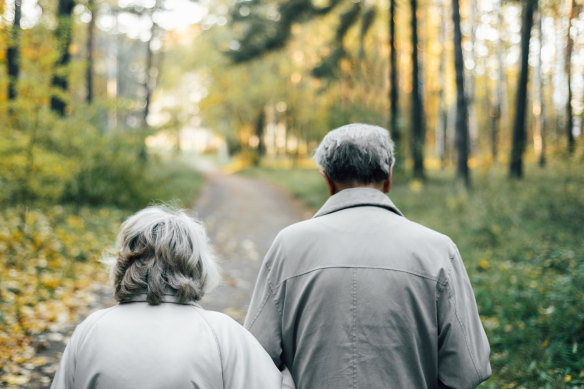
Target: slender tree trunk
[(260, 125), (569, 50), (540, 145), (462, 141), (148, 83), (150, 71), (393, 82), (495, 118), (90, 51), (13, 52), (519, 131), (63, 35), (442, 113), (418, 130), (473, 127), (499, 105)]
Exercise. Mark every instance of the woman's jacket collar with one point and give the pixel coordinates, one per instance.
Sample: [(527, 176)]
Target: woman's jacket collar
[(166, 298)]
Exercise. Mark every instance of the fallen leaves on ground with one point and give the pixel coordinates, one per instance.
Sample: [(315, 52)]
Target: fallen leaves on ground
[(50, 273)]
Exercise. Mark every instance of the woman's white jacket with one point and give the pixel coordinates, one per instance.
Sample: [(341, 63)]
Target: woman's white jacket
[(137, 345)]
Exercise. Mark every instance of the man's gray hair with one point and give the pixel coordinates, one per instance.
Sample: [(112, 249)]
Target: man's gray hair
[(356, 153), (163, 251)]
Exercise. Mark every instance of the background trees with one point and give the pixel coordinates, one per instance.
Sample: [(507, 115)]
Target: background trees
[(485, 56), (267, 79), (110, 103)]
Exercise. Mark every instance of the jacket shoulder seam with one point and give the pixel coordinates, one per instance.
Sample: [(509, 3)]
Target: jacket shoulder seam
[(312, 270)]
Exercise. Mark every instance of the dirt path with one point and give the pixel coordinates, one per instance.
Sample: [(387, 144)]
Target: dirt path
[(242, 216)]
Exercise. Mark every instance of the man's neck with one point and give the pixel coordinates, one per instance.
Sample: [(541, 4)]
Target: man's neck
[(374, 185), (335, 186)]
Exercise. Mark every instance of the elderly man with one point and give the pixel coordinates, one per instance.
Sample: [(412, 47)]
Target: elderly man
[(361, 297)]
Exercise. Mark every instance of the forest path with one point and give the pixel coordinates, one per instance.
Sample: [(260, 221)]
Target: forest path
[(242, 216)]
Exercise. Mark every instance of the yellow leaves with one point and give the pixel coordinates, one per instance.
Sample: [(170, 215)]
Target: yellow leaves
[(43, 283), (491, 322), (75, 221), (16, 379), (416, 186), (50, 281), (495, 229), (545, 343), (568, 378), (39, 361), (483, 264)]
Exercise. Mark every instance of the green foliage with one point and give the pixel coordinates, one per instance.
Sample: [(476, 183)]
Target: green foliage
[(260, 32), (522, 246), (51, 160)]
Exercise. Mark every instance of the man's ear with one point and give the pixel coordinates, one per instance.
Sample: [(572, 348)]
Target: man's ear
[(387, 182), (329, 183)]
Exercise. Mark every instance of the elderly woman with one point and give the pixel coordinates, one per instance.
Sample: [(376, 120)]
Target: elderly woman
[(158, 336)]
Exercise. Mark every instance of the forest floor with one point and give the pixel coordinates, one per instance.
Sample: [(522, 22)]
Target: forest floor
[(242, 217)]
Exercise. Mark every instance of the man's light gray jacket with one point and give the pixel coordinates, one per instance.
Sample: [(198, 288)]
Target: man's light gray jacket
[(361, 297)]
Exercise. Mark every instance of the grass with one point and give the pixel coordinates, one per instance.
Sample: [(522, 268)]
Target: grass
[(522, 244), (305, 184), (175, 182)]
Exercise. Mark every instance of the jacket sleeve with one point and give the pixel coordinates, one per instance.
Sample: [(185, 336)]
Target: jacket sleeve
[(64, 377), (463, 348), (245, 363), (264, 316)]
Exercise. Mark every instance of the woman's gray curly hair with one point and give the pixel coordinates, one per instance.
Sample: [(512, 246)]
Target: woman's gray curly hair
[(163, 251), (356, 153)]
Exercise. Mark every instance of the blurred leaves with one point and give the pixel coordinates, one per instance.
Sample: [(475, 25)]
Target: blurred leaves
[(47, 267)]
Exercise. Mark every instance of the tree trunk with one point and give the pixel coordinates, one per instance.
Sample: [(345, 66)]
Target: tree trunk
[(519, 131), (418, 130), (90, 51), (150, 71), (462, 141), (260, 125), (569, 50), (442, 113), (148, 84), (499, 106), (12, 52), (473, 126), (63, 35), (539, 105), (393, 82)]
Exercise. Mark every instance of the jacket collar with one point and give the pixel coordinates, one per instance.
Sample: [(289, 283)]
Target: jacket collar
[(167, 298), (357, 197)]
